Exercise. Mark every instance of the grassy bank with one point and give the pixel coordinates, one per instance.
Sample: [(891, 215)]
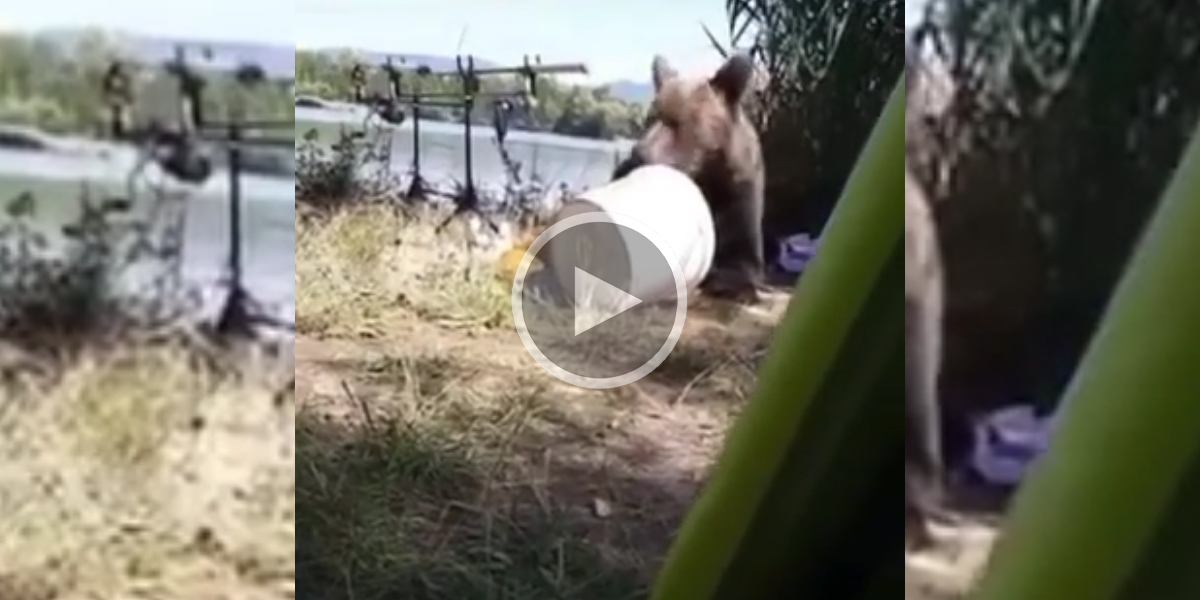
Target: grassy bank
[(358, 270), (138, 458), (145, 472), (437, 461)]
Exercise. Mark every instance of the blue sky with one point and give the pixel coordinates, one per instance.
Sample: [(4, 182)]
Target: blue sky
[(616, 38), (912, 12)]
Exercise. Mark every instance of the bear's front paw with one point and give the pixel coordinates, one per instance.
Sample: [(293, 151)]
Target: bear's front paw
[(733, 287)]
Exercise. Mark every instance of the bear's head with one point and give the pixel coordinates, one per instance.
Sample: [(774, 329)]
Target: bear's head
[(698, 125)]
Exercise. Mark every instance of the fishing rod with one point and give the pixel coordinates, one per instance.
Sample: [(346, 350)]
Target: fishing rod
[(391, 109), (394, 107), (177, 151), (466, 100)]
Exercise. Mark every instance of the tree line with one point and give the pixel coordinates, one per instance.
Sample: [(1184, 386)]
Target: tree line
[(579, 111), (46, 84)]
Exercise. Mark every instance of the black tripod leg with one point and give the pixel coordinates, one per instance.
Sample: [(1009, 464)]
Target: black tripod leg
[(446, 223), (489, 222)]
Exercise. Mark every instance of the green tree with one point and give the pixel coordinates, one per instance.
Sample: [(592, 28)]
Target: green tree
[(59, 89)]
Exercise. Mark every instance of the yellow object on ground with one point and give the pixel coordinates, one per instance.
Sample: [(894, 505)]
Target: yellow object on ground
[(510, 260)]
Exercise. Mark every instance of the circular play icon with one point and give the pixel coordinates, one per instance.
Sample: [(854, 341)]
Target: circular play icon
[(599, 299)]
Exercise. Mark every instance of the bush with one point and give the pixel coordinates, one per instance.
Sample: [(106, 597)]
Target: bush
[(351, 171), (61, 290)]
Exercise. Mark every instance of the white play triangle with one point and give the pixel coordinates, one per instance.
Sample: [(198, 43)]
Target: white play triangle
[(597, 301)]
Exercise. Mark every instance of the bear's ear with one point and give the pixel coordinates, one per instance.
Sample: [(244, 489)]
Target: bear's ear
[(734, 78), (661, 72)]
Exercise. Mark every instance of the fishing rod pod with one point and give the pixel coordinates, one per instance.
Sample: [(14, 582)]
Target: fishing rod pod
[(179, 151), (391, 108)]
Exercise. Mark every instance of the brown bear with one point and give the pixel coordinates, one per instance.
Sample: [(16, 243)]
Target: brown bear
[(923, 308), (700, 127)]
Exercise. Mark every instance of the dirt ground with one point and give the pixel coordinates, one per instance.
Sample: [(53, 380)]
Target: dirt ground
[(949, 571), (609, 472), (437, 461)]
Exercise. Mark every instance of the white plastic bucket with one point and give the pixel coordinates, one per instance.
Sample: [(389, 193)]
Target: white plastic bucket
[(669, 203)]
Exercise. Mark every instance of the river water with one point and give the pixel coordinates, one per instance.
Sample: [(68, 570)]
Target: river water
[(269, 238), (269, 241), (555, 159)]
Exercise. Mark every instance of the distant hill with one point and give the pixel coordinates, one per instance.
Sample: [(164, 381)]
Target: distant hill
[(632, 91), (278, 61)]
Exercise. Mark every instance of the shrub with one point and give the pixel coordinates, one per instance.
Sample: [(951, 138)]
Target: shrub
[(62, 289), (353, 170)]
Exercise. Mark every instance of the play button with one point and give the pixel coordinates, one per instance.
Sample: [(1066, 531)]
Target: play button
[(599, 299), (587, 288)]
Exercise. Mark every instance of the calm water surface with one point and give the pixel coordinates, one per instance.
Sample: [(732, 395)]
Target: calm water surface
[(555, 159), (269, 228), (269, 239)]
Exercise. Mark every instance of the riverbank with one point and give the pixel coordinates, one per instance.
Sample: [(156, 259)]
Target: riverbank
[(57, 185), (147, 470), (139, 458), (438, 461)]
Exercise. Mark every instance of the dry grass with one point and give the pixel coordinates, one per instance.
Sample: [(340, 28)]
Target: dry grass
[(144, 473), (437, 461), (949, 571), (357, 270)]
